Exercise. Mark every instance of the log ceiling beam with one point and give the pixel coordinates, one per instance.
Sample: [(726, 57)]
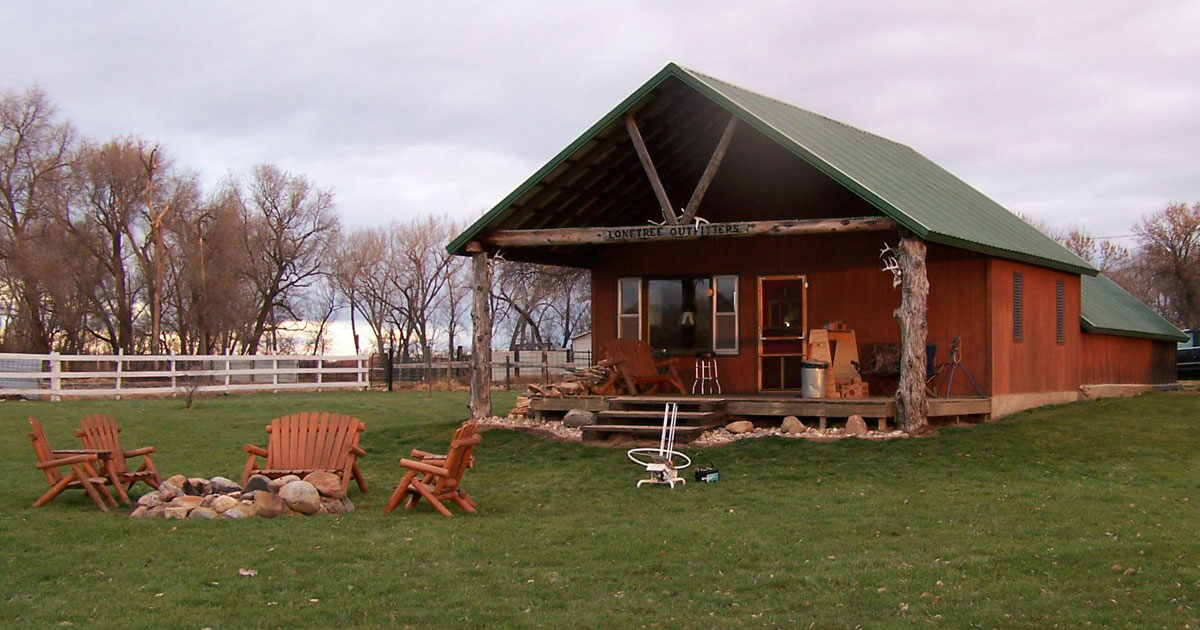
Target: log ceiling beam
[(710, 171), (547, 237), (643, 154)]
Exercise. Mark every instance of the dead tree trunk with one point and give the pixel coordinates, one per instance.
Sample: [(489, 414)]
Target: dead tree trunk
[(912, 407), (481, 337)]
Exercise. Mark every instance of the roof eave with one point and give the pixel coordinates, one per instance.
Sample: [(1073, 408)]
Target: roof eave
[(457, 245), (1088, 327)]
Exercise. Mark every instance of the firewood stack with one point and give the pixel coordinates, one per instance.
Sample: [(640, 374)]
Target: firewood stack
[(580, 382)]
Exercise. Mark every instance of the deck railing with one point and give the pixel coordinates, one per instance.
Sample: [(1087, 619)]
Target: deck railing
[(58, 376)]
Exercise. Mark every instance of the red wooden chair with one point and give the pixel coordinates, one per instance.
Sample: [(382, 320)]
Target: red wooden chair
[(634, 363), (101, 432), (308, 442), (66, 470), (440, 475)]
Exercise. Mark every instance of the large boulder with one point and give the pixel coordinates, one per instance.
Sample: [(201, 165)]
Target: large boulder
[(223, 485), (168, 491), (223, 503), (202, 513), (792, 424), (257, 482), (267, 505), (855, 425), (186, 501), (326, 483), (301, 496), (276, 484), (176, 512), (576, 418), (740, 426), (197, 486), (176, 481), (239, 511)]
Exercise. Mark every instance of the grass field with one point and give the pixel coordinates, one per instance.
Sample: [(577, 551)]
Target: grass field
[(1075, 515)]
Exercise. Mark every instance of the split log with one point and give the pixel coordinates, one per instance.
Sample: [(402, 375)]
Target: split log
[(912, 407)]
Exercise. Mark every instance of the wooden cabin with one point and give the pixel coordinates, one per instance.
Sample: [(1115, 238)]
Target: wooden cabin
[(718, 220)]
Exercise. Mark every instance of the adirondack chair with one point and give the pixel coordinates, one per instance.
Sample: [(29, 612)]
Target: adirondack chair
[(439, 475), (308, 442), (635, 365), (68, 470), (102, 433)]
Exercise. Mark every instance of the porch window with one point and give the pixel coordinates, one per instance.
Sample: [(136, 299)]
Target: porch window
[(684, 315), (629, 308), (725, 315)]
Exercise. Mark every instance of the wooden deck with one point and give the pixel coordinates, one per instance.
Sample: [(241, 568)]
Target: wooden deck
[(773, 405)]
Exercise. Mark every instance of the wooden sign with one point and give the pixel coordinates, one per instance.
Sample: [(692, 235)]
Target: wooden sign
[(664, 232)]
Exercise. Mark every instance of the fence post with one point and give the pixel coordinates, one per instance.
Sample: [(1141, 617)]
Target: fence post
[(55, 376), (120, 368), (507, 372), (320, 371), (174, 386), (545, 367), (227, 368), (359, 375), (390, 369), (275, 375)]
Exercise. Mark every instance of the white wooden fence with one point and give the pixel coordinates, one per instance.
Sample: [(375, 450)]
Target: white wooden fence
[(60, 376)]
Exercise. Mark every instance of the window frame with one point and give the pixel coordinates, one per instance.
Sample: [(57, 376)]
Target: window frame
[(713, 278), (737, 314), (640, 305)]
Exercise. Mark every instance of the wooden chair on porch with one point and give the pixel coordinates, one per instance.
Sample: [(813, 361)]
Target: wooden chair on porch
[(635, 365), (308, 442), (102, 433), (66, 470), (440, 476)]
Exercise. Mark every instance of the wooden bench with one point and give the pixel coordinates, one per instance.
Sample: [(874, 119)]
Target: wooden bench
[(309, 442)]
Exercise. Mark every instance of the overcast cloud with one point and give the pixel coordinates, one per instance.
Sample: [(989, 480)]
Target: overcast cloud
[(1078, 113)]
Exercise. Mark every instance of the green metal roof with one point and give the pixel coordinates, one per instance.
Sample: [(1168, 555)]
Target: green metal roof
[(1109, 309), (898, 181)]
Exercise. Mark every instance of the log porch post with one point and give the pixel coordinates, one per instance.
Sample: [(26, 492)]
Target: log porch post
[(912, 406), (481, 335)]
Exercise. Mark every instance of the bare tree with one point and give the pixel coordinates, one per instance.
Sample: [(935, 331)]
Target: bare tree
[(290, 225), (36, 153), (1168, 260), (106, 222), (422, 281)]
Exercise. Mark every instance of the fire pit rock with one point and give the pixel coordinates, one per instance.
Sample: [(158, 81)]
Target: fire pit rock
[(220, 497)]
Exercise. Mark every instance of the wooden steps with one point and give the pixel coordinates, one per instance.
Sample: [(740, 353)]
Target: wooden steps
[(642, 417)]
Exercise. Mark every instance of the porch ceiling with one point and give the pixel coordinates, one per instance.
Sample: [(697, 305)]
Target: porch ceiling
[(601, 182)]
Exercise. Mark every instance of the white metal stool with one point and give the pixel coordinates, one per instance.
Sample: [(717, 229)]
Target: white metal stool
[(706, 380)]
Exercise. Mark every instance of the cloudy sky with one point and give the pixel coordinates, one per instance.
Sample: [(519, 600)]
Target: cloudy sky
[(1077, 113)]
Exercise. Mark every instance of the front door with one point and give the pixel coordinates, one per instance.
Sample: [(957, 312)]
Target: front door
[(782, 322)]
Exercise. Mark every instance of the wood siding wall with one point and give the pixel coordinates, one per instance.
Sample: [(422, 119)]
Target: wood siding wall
[(1037, 363), (1109, 359), (846, 282)]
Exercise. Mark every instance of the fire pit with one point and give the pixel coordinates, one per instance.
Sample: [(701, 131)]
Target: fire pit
[(219, 497)]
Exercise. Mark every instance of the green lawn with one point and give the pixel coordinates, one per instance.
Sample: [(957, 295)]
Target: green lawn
[(1021, 522)]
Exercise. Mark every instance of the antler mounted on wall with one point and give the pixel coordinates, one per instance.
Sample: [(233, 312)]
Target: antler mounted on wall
[(891, 263)]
